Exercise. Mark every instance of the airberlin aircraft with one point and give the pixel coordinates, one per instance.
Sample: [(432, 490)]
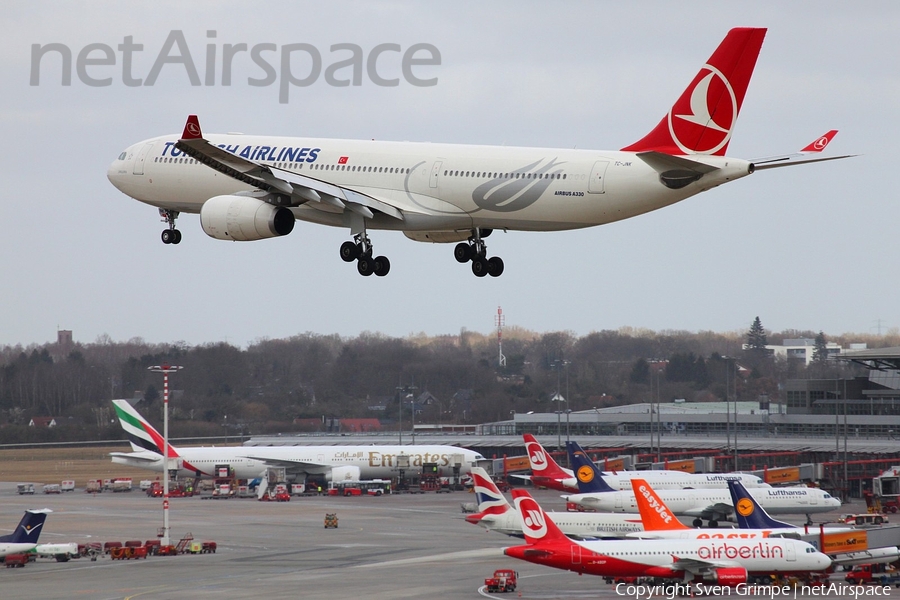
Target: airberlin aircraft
[(728, 562), (255, 187)]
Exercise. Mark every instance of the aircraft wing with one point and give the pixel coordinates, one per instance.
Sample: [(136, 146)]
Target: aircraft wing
[(298, 466), (711, 511), (297, 189), (701, 567), (137, 457)]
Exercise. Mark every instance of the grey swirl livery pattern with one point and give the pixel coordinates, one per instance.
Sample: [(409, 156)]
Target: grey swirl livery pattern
[(510, 195)]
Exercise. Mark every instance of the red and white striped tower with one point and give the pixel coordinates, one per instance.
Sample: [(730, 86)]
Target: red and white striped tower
[(165, 370), (500, 321)]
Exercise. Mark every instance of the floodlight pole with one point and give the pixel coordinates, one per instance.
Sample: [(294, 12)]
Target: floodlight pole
[(165, 370)]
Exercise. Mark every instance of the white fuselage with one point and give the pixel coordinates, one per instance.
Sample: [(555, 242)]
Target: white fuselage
[(676, 480), (769, 555), (573, 524), (249, 462), (14, 548), (438, 187), (786, 501)]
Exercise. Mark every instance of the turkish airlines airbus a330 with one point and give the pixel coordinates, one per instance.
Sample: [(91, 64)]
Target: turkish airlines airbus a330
[(255, 187)]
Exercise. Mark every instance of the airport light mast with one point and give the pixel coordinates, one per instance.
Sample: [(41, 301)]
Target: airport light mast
[(500, 321), (165, 370)]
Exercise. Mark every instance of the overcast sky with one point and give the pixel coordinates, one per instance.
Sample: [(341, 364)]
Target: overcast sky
[(808, 247)]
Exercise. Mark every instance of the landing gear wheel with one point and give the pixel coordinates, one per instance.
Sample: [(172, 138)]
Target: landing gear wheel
[(382, 266), (365, 265), (462, 252), (697, 523), (177, 239), (495, 266), (168, 236), (480, 266), (713, 523), (349, 251)]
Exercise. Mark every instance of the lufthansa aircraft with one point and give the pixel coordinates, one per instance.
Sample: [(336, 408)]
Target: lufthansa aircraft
[(255, 187)]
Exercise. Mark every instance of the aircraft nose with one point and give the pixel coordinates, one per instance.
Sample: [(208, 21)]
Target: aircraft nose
[(116, 173)]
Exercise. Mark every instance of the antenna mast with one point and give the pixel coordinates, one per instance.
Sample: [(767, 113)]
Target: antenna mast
[(500, 321)]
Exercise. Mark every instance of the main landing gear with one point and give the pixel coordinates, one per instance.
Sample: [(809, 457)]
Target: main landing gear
[(476, 251), (170, 235), (360, 250)]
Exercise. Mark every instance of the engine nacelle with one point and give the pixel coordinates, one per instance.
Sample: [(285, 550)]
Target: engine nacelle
[(730, 576), (339, 474), (244, 219)]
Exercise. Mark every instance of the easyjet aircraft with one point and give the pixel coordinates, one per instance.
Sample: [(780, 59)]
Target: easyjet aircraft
[(332, 463), (727, 562), (254, 187)]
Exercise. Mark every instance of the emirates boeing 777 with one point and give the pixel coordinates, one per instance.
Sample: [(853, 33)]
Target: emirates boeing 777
[(255, 187)]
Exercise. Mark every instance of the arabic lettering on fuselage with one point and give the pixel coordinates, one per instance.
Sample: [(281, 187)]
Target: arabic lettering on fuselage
[(260, 153)]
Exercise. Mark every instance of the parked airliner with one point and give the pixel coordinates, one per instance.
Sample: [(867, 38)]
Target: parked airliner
[(27, 532), (727, 562), (546, 472), (332, 463), (254, 187), (495, 513), (713, 505)]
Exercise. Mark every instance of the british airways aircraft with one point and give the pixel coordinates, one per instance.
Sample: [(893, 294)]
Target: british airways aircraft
[(255, 187)]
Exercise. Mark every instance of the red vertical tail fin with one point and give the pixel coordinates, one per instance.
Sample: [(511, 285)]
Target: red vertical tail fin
[(542, 464), (702, 119), (536, 527)]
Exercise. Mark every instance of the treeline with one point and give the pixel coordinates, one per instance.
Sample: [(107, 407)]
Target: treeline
[(445, 379)]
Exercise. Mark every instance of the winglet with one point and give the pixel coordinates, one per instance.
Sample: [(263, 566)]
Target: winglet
[(588, 476), (748, 513), (192, 129), (821, 142), (655, 515)]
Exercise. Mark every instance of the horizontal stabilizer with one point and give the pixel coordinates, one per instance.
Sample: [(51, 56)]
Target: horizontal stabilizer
[(662, 162)]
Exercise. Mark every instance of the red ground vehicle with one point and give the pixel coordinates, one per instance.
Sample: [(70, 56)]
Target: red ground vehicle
[(504, 580), (13, 561), (879, 574)]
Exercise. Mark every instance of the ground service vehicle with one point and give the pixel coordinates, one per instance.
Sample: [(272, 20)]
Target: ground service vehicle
[(876, 574), (504, 580)]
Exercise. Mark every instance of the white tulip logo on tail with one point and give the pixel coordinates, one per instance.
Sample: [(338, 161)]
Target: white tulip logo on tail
[(698, 122)]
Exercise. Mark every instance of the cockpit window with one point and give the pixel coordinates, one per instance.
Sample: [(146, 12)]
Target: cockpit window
[(122, 156)]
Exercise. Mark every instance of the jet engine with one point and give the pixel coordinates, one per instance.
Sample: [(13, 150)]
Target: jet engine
[(244, 219), (339, 474), (730, 576)]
